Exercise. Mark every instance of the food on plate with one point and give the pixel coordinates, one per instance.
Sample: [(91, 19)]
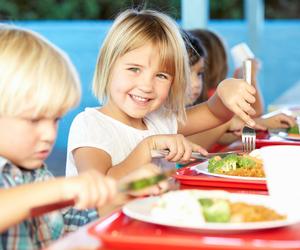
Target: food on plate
[(249, 165), (192, 207)]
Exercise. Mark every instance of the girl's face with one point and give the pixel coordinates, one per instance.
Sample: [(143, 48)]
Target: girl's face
[(138, 83), (27, 141), (196, 87)]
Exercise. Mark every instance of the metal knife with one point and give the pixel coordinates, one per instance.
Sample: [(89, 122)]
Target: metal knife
[(195, 155)]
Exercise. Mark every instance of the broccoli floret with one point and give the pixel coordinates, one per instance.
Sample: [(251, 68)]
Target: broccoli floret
[(229, 162), (215, 210), (212, 164), (246, 162), (293, 130)]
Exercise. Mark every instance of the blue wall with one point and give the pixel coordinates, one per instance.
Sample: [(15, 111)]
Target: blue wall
[(280, 54)]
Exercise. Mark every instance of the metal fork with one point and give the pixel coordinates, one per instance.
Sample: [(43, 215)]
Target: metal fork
[(248, 134), (248, 139)]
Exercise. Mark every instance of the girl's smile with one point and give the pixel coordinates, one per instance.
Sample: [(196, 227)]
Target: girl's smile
[(139, 85)]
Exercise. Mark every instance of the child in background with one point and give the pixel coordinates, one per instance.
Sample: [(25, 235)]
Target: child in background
[(197, 57), (217, 67), (215, 70), (141, 76), (38, 84)]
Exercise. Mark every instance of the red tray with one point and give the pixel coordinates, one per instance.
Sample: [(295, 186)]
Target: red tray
[(269, 142), (118, 231), (187, 176)]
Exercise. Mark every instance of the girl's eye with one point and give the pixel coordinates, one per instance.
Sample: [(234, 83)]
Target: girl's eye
[(200, 74), (162, 76), (135, 70)]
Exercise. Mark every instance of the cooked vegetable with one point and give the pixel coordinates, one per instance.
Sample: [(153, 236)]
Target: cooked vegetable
[(215, 210), (234, 164)]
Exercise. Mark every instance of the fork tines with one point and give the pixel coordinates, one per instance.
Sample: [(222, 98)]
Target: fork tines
[(248, 139)]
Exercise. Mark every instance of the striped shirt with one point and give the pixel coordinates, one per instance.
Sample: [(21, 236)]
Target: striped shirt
[(38, 232)]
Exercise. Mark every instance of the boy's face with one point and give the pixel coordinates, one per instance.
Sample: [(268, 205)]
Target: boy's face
[(25, 141), (139, 85)]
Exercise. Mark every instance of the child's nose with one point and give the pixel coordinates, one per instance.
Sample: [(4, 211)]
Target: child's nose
[(146, 84), (49, 131)]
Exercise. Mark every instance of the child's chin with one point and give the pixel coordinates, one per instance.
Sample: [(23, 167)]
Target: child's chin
[(32, 165)]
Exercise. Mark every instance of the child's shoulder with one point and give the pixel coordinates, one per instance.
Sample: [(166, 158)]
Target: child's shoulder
[(93, 119), (163, 120)]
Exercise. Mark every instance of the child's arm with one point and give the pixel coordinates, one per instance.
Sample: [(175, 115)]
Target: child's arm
[(232, 95), (208, 138), (89, 190), (180, 151)]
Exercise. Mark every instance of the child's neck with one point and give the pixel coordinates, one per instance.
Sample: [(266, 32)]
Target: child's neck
[(120, 116)]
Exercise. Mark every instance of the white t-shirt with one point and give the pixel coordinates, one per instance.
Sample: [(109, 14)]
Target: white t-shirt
[(92, 128)]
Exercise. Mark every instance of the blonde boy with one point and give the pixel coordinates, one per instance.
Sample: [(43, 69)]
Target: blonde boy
[(38, 84)]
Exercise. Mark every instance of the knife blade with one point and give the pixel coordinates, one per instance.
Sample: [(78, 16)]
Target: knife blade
[(195, 155)]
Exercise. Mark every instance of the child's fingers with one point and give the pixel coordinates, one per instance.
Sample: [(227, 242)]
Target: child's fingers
[(289, 120), (250, 88), (249, 98), (247, 108), (188, 151), (244, 116), (197, 148)]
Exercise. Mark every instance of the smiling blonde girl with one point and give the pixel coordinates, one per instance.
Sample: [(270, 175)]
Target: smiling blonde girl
[(140, 78)]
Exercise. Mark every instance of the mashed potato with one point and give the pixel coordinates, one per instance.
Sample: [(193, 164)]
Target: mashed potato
[(181, 206)]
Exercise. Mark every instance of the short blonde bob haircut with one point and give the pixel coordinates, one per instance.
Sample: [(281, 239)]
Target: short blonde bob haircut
[(34, 74), (133, 29)]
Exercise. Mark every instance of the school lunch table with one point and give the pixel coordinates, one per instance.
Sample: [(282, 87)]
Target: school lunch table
[(117, 231)]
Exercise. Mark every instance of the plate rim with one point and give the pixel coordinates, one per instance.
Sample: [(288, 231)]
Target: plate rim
[(214, 227), (226, 176)]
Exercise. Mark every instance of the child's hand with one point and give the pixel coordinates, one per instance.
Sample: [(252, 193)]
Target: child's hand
[(180, 148), (237, 95), (90, 189), (277, 121)]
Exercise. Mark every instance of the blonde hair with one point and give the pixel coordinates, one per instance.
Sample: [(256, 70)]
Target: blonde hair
[(34, 72), (133, 29)]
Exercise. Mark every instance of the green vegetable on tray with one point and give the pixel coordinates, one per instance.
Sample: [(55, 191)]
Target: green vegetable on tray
[(228, 163), (215, 210)]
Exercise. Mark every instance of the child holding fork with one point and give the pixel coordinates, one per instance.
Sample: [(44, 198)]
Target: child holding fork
[(140, 78)]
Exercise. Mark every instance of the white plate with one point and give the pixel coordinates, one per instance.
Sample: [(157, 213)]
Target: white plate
[(288, 137), (140, 209), (282, 133), (203, 169)]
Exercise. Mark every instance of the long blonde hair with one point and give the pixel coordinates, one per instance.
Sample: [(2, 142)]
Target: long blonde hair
[(133, 29), (34, 72)]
